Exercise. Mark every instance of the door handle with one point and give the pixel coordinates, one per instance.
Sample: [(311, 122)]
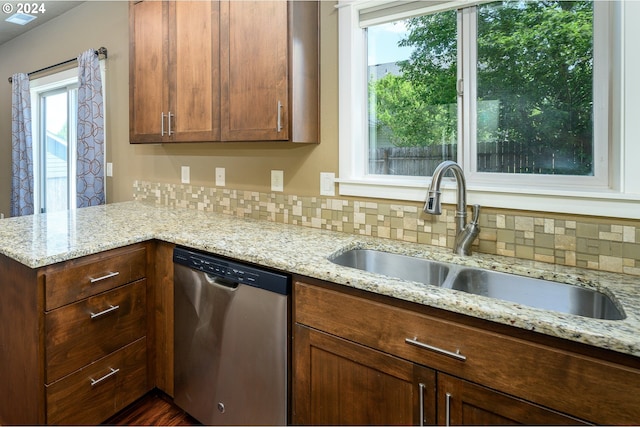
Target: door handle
[(279, 126), (421, 390)]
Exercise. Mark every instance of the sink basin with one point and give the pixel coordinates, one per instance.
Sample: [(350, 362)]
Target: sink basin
[(537, 293), (394, 265)]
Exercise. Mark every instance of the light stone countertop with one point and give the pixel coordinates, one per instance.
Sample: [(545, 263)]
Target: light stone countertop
[(41, 240)]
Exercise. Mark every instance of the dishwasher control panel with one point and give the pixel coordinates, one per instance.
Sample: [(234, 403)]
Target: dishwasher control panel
[(233, 271)]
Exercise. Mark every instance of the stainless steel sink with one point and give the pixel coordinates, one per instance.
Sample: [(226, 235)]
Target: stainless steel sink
[(394, 265), (537, 293)]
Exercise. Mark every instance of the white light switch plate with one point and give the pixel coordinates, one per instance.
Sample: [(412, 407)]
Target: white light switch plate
[(277, 180), (186, 172), (327, 184), (220, 177), (109, 169)]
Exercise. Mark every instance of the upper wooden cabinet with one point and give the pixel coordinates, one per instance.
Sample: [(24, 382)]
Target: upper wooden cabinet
[(224, 71), (174, 71)]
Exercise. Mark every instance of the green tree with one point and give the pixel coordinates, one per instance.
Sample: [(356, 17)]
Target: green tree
[(534, 57), (406, 118)]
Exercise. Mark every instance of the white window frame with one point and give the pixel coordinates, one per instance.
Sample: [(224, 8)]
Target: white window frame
[(45, 84), (38, 87), (614, 194)]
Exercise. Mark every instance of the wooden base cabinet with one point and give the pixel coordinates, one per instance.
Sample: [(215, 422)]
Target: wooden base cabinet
[(75, 342), (359, 358)]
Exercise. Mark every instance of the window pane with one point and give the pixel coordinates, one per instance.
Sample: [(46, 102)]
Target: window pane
[(55, 153), (412, 94), (535, 87)]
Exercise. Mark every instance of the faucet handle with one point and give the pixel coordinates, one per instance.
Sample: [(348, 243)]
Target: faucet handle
[(475, 213)]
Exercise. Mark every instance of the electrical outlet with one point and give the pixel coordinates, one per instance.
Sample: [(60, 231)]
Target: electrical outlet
[(186, 172), (277, 180), (220, 177), (327, 184), (109, 169)]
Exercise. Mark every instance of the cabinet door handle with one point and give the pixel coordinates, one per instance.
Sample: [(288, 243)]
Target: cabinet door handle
[(106, 276), (104, 312), (162, 123), (279, 126), (456, 355), (169, 120), (105, 377), (421, 389)]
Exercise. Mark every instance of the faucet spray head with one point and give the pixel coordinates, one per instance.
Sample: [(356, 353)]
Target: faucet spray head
[(432, 205)]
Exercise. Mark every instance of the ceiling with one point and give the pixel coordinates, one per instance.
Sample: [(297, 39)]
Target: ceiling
[(52, 8)]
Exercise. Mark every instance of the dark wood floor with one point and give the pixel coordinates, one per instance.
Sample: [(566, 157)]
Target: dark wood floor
[(154, 409)]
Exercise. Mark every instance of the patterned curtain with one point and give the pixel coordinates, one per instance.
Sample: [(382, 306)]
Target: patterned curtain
[(21, 147), (90, 166)]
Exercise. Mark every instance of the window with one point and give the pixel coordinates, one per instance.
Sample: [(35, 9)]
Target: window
[(54, 101), (57, 141), (526, 96)]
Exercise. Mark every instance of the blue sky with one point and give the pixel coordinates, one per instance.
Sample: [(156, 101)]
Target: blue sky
[(383, 43)]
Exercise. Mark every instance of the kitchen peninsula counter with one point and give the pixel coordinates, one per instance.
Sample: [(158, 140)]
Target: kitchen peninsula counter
[(41, 240)]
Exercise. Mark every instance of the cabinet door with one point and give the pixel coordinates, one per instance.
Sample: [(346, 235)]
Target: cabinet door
[(254, 70), (194, 89), (148, 71), (464, 403), (338, 382)]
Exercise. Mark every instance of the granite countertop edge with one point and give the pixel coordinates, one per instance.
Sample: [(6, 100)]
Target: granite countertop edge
[(45, 239)]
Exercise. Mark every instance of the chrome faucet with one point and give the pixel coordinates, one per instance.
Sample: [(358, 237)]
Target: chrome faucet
[(465, 233)]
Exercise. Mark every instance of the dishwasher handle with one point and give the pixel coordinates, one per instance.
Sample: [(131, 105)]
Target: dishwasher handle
[(221, 282)]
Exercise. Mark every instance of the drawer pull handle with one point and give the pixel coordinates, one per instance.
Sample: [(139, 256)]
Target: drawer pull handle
[(417, 343), (106, 276), (103, 312), (107, 376)]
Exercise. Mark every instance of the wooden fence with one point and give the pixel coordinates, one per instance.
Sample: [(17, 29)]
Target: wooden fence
[(500, 157)]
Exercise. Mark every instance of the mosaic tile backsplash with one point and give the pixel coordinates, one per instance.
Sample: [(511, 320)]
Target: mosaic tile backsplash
[(595, 243)]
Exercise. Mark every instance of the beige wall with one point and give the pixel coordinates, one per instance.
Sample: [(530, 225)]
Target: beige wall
[(90, 25), (248, 165)]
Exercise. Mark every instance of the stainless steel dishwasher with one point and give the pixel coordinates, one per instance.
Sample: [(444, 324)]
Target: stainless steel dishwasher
[(231, 341)]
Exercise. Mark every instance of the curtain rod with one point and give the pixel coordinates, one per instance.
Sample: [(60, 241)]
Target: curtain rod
[(101, 51)]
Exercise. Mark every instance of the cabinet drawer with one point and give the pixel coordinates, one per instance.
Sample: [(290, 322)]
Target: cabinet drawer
[(80, 333), (582, 386), (118, 380), (77, 279)]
